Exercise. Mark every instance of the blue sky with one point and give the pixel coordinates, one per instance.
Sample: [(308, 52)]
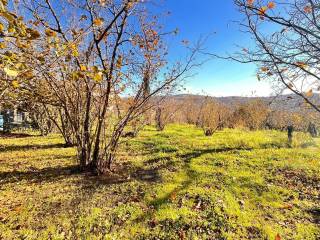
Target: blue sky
[(217, 77)]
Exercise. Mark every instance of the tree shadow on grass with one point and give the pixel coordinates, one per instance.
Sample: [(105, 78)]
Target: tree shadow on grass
[(150, 148), (192, 175), (14, 135), (32, 147), (315, 213), (150, 172), (49, 174), (52, 174), (123, 174)]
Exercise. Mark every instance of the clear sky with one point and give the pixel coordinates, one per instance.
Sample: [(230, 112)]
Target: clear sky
[(217, 77)]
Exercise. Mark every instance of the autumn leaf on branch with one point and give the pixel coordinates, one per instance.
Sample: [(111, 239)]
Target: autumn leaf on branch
[(98, 22), (271, 5), (309, 93), (250, 2), (307, 9), (50, 33)]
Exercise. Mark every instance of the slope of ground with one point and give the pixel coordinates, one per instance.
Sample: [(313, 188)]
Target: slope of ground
[(176, 184)]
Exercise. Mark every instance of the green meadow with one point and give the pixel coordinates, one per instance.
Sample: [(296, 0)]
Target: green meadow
[(175, 184)]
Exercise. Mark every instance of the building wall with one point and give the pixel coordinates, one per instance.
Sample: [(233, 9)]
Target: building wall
[(11, 117)]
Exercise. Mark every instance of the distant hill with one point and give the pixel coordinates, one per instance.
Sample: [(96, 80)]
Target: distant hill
[(290, 102)]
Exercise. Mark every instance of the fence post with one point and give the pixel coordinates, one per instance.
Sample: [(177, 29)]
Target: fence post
[(290, 134)]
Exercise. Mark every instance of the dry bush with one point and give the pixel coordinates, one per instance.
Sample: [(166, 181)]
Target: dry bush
[(166, 112), (190, 111), (301, 121), (251, 115), (213, 116), (280, 120)]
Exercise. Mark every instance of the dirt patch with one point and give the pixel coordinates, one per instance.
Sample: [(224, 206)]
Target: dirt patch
[(300, 178), (307, 187)]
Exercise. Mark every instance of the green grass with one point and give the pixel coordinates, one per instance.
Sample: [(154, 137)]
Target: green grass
[(175, 184)]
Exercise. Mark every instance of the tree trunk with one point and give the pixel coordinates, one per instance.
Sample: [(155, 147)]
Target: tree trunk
[(159, 122), (85, 156)]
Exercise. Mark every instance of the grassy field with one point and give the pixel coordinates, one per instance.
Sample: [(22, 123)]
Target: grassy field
[(175, 184)]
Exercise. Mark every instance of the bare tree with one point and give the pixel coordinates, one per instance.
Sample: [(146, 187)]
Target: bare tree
[(165, 112), (190, 110), (287, 37), (90, 56), (251, 115)]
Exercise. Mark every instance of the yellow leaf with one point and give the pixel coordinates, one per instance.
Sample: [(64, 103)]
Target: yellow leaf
[(9, 16), (21, 44), (11, 72), (129, 5), (74, 50), (15, 84), (73, 46), (2, 6), (98, 22), (11, 29), (83, 68), (263, 10), (1, 27), (75, 53), (98, 77), (50, 33), (2, 45)]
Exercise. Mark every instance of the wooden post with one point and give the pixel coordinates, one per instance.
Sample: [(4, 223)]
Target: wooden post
[(312, 129), (290, 134)]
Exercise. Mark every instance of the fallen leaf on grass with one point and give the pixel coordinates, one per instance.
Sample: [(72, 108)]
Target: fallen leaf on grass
[(287, 206), (173, 196), (182, 235)]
